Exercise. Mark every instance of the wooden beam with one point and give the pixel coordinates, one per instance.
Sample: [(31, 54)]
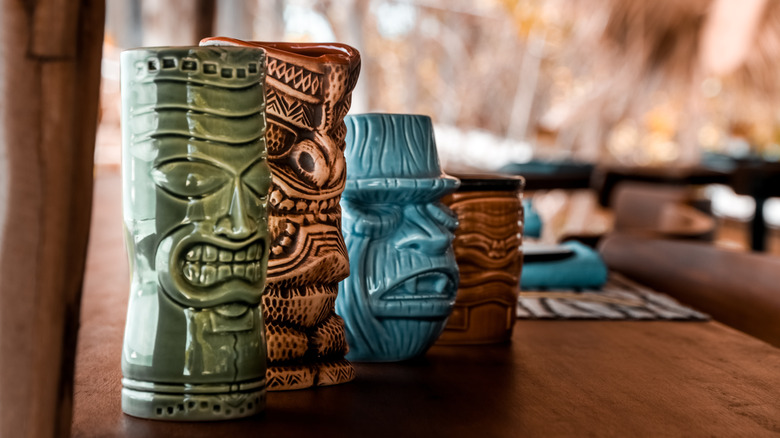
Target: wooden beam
[(181, 23), (49, 82), (205, 12)]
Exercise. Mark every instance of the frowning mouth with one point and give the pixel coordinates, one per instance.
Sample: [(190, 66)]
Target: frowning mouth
[(207, 265), (428, 285), (422, 295)]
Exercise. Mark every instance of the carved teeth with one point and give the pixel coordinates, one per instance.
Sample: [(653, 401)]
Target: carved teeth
[(209, 253), (276, 197), (208, 275), (194, 253), (257, 272), (206, 265), (191, 272), (279, 201), (225, 256), (290, 228), (223, 272)]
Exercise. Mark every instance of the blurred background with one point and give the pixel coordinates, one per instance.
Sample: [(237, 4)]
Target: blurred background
[(585, 98)]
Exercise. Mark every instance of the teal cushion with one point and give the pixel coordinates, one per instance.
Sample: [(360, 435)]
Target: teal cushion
[(532, 225), (583, 270)]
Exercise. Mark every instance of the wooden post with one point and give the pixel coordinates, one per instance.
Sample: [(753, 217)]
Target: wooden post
[(49, 82), (181, 23)]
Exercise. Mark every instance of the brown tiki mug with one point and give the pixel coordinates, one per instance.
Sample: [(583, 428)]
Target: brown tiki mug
[(308, 93), (487, 248)]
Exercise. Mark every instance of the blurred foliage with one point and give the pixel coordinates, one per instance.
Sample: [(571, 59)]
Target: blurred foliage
[(599, 80)]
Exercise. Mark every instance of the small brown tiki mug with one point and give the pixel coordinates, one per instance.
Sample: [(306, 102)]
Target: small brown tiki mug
[(488, 250), (308, 93)]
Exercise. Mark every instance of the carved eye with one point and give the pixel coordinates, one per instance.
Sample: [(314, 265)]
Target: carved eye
[(310, 163), (189, 179), (258, 178), (372, 220)]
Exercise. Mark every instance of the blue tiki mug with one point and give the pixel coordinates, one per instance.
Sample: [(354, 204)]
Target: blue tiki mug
[(403, 275)]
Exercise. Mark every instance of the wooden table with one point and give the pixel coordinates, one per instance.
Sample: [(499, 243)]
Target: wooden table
[(606, 178), (754, 176), (556, 378)]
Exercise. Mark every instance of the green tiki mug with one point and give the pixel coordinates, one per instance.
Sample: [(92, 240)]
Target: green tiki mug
[(195, 185)]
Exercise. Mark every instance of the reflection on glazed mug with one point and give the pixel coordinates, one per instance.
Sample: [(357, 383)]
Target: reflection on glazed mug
[(403, 274), (195, 189)]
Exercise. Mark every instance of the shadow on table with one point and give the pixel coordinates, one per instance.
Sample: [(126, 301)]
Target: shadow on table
[(452, 390)]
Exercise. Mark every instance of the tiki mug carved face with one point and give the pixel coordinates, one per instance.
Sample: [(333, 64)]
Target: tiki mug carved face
[(195, 188), (403, 271), (487, 247), (308, 93)]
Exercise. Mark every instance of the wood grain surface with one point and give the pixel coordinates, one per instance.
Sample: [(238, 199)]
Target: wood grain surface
[(556, 378)]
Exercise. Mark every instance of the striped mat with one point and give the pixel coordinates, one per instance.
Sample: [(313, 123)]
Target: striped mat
[(619, 299)]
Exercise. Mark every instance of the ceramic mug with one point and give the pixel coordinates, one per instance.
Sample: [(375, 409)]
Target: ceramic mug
[(403, 274), (195, 189), (488, 249)]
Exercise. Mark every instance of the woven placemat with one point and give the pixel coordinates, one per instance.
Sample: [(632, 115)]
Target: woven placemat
[(619, 299)]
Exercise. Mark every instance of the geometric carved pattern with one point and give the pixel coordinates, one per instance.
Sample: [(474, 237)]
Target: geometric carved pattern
[(297, 112), (156, 64), (296, 77), (334, 373), (285, 377), (309, 247), (305, 306)]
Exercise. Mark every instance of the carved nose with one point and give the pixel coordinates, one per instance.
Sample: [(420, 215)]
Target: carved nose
[(236, 224), (426, 236), (430, 244)]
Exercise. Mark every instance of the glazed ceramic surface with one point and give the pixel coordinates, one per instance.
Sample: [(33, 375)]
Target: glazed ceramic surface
[(308, 93), (403, 276), (488, 249), (195, 187)]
